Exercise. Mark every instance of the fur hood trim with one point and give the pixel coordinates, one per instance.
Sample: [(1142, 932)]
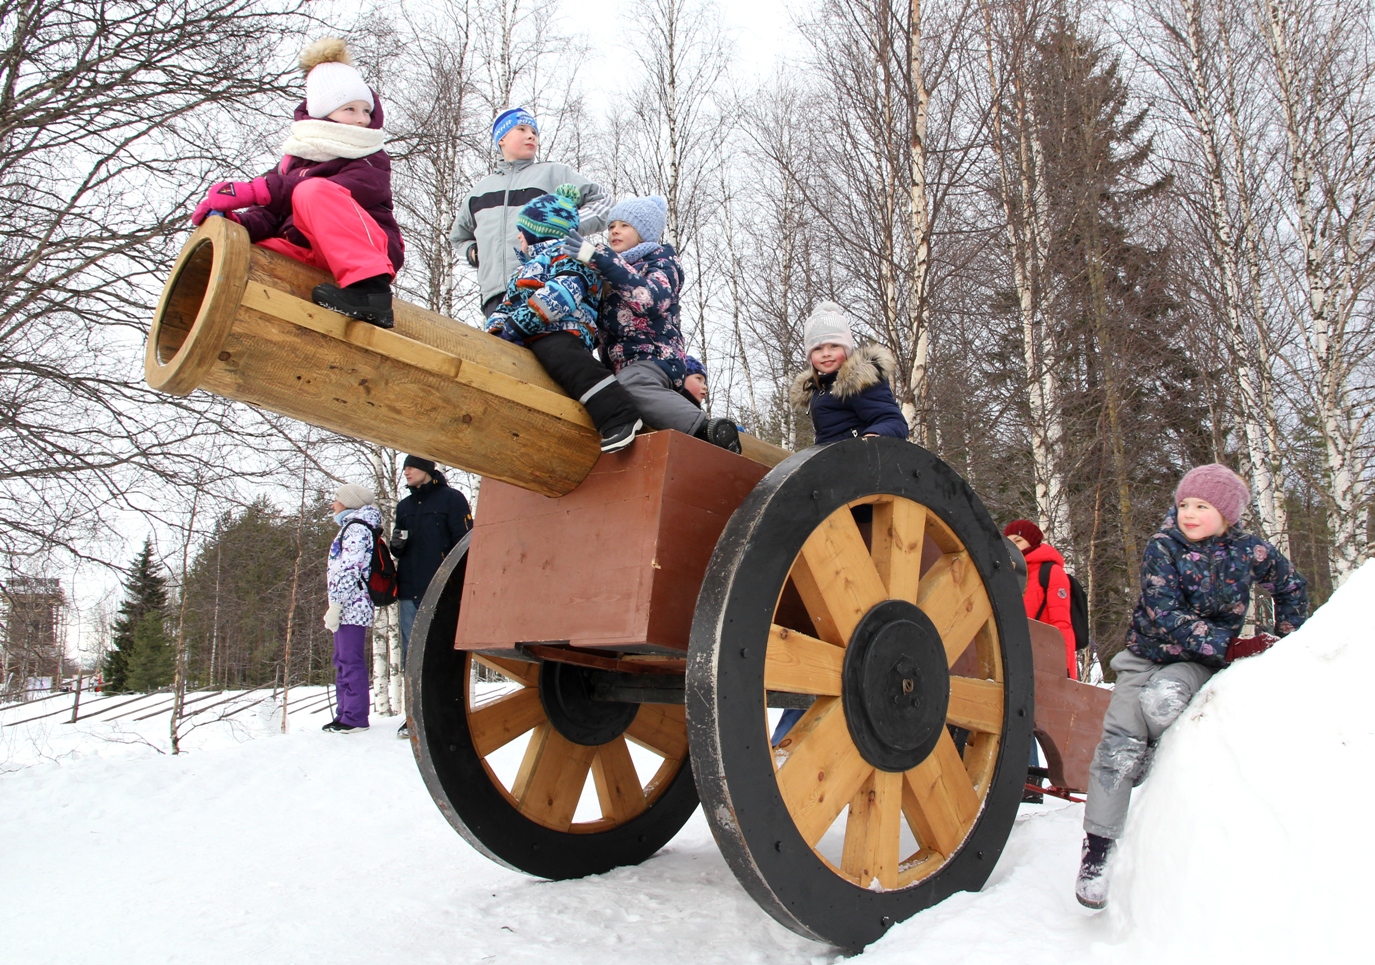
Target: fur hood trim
[(867, 365), (326, 50)]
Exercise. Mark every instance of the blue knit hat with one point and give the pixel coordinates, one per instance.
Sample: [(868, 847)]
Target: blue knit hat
[(694, 365), (551, 215), (646, 215), (510, 118)]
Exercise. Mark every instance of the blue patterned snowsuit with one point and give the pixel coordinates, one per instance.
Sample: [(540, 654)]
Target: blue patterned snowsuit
[(545, 261)]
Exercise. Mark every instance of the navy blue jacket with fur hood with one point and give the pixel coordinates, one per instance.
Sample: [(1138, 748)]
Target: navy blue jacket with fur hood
[(1194, 595), (855, 400)]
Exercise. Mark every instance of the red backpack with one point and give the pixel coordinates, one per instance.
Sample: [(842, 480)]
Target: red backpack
[(381, 567)]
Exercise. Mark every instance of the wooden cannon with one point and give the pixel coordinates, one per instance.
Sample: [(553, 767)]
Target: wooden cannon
[(603, 650)]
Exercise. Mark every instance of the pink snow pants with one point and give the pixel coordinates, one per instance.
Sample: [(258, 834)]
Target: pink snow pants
[(344, 239)]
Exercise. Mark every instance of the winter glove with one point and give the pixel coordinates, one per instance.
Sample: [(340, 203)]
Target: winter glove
[(1250, 646), (398, 541), (553, 303), (472, 254), (332, 615), (231, 195), (576, 246)]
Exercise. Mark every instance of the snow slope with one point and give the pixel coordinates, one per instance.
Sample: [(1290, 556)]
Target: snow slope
[(1245, 845)]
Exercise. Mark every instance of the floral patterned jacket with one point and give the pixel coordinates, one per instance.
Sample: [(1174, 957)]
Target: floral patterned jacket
[(350, 557), (639, 315), (1194, 595)]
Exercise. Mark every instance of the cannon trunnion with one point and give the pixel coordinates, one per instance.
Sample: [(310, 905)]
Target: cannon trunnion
[(613, 640)]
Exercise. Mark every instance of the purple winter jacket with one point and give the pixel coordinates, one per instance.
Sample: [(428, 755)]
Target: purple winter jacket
[(367, 178)]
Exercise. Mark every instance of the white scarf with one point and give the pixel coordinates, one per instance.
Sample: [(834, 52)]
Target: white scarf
[(326, 140)]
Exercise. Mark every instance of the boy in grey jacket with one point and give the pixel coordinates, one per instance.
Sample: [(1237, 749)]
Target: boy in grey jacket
[(485, 232)]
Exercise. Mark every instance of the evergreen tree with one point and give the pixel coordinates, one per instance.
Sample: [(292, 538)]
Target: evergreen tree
[(150, 662), (145, 594)]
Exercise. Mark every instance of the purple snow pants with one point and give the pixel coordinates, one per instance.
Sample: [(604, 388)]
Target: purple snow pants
[(351, 675)]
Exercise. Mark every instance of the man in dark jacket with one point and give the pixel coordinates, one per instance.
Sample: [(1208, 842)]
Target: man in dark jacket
[(429, 523)]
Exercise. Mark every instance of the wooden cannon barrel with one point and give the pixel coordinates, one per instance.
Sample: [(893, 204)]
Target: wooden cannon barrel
[(236, 319)]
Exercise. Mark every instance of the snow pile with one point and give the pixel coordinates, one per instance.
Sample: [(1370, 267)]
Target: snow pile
[(1252, 838)]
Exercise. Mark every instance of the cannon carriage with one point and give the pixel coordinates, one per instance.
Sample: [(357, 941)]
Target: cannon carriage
[(604, 649)]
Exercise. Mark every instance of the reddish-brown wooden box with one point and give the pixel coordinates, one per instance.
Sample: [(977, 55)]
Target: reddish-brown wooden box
[(616, 563)]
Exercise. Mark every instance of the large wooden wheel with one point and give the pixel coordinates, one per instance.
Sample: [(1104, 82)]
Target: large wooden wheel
[(865, 582), (530, 820)]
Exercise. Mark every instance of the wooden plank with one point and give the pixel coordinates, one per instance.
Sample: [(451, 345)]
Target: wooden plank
[(953, 596), (939, 800), (522, 671), (898, 538), (976, 705), (801, 664), (552, 777), (844, 584), (661, 728), (496, 724), (873, 831), (618, 786), (823, 772), (1069, 714)]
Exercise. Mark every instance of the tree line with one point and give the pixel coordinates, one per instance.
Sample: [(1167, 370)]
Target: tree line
[(1105, 242)]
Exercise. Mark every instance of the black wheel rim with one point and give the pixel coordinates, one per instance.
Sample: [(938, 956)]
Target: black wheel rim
[(749, 637)]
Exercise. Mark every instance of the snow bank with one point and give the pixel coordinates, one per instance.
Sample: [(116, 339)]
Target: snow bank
[(1252, 837)]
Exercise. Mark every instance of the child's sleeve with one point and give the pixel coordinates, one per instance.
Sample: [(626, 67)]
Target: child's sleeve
[(659, 283), (594, 206), (880, 412), (261, 222), (462, 235), (1162, 596), (1277, 576)]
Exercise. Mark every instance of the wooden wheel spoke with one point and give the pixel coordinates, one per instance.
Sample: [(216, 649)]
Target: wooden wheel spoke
[(661, 728), (953, 596), (836, 577), (551, 778), (824, 770), (976, 705), (496, 724), (800, 664), (618, 786), (522, 671), (899, 534), (939, 799), (873, 831)]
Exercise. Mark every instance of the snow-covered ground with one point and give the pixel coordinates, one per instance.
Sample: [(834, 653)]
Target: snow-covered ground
[(1249, 844)]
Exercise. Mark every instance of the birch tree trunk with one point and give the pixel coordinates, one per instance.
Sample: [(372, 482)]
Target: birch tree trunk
[(919, 211)]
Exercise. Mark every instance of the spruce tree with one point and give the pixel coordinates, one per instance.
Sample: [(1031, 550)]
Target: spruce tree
[(145, 594)]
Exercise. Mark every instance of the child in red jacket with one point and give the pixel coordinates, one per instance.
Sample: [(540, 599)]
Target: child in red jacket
[(329, 202), (1050, 605)]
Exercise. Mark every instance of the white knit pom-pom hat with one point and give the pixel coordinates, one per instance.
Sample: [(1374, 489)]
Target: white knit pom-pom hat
[(331, 79), (827, 324)]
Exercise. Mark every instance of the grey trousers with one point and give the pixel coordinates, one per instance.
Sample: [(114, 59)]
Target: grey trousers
[(1147, 699), (660, 404)]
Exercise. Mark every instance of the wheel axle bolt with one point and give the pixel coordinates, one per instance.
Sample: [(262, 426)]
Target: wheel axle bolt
[(907, 685)]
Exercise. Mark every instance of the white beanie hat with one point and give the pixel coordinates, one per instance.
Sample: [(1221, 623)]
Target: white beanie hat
[(828, 325), (331, 79), (354, 496)]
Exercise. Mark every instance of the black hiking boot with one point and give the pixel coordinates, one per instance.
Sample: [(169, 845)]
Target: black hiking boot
[(618, 437), (404, 731), (1091, 887), (339, 727), (368, 300), (722, 433)]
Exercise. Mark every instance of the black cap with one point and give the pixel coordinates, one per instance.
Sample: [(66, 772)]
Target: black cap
[(415, 462)]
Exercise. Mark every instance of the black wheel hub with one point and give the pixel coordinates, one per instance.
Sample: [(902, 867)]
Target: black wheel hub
[(896, 686), (565, 690)]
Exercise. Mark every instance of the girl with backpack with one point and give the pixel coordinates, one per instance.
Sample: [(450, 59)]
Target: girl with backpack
[(1048, 592), (351, 609)]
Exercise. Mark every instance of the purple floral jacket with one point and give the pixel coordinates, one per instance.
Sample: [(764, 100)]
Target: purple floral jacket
[(639, 312), (1194, 595)]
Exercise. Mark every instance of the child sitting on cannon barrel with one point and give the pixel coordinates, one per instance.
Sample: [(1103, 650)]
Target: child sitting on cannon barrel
[(550, 306), (1196, 581), (328, 202), (639, 318)]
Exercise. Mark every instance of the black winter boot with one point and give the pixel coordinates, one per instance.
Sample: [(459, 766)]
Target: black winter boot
[(722, 433), (1091, 887), (368, 300)]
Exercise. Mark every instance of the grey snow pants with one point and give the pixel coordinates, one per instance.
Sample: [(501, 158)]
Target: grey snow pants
[(660, 404), (1147, 699)]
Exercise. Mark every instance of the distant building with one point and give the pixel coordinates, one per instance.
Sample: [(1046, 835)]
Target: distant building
[(32, 609)]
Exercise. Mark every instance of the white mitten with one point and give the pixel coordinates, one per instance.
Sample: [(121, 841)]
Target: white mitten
[(332, 616)]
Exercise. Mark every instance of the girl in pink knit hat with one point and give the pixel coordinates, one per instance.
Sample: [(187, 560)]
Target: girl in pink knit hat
[(1196, 582), (328, 202)]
